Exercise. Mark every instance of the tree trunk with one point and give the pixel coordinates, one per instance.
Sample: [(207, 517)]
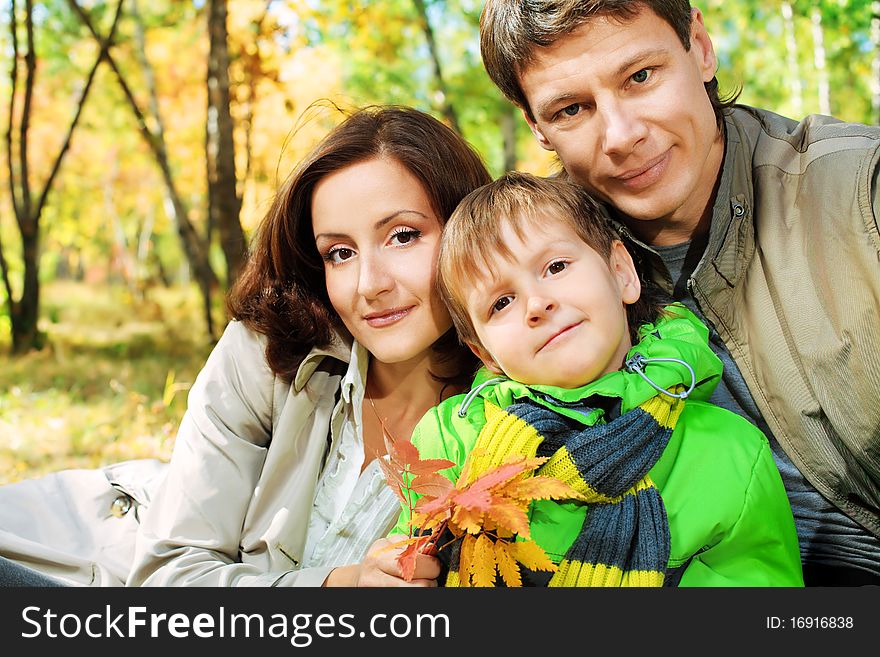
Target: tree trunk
[(24, 312), (794, 75), (509, 121), (224, 203), (819, 59), (445, 104), (192, 245)]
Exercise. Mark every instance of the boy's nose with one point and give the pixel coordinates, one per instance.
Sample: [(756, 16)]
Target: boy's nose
[(539, 308)]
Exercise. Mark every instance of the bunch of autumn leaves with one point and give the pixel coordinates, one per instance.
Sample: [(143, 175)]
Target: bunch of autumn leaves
[(486, 509)]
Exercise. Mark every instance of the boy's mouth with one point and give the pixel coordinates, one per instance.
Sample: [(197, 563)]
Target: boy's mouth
[(559, 335)]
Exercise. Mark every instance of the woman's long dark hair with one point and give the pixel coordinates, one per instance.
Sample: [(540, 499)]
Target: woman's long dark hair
[(281, 291)]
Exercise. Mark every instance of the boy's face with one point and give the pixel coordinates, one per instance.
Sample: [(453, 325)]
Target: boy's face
[(624, 106), (555, 313)]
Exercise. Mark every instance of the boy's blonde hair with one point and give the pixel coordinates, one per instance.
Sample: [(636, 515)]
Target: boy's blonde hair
[(472, 237)]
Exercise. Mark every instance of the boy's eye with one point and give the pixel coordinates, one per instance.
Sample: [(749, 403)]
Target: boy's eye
[(501, 304), (641, 76), (556, 267)]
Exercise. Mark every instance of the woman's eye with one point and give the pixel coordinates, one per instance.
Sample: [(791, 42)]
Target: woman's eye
[(501, 304), (339, 255), (406, 236), (641, 76), (556, 267)]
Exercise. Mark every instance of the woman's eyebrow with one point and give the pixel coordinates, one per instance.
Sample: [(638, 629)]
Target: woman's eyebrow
[(377, 226), (391, 217)]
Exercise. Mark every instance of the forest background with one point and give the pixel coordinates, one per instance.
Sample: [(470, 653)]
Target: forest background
[(142, 142)]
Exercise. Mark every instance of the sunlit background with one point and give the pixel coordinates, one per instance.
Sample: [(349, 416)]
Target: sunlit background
[(110, 246)]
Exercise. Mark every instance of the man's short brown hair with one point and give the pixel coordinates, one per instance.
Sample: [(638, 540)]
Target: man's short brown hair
[(511, 30), (472, 238)]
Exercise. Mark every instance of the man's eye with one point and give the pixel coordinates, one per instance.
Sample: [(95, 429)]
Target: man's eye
[(641, 76), (571, 110), (501, 304), (556, 267)]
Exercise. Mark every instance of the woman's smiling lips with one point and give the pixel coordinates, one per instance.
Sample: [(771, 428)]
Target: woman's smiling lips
[(387, 317), (560, 335)]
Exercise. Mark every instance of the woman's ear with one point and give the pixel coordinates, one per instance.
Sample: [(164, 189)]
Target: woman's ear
[(621, 264), (484, 356)]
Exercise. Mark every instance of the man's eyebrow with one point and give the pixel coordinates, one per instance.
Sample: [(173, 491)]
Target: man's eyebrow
[(377, 226), (637, 58), (544, 108)]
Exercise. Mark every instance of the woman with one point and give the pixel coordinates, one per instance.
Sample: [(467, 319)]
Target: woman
[(338, 333)]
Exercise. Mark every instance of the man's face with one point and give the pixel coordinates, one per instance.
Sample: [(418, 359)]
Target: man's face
[(624, 106)]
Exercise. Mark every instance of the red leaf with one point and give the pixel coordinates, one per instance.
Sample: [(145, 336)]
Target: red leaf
[(433, 485), (429, 466), (407, 558)]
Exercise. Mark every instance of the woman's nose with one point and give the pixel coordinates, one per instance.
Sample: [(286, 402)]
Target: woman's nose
[(373, 277)]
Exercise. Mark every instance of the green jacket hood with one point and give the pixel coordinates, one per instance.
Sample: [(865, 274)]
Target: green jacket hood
[(677, 334)]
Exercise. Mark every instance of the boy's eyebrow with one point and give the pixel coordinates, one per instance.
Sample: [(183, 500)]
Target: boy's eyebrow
[(376, 226)]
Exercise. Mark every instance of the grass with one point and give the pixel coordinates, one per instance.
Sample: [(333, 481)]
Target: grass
[(110, 387)]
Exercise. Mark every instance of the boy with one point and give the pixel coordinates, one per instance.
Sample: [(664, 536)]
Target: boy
[(584, 367)]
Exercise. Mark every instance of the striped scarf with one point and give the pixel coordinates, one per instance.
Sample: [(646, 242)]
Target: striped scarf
[(624, 540)]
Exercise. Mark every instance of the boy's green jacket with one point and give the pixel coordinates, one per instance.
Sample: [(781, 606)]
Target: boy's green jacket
[(730, 520)]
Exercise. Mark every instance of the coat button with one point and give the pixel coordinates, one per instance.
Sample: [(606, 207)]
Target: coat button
[(738, 210), (121, 505)]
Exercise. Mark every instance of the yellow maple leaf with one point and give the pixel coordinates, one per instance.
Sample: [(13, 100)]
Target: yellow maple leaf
[(469, 520), (510, 515), (530, 555), (466, 558), (507, 565), (482, 566), (540, 488)]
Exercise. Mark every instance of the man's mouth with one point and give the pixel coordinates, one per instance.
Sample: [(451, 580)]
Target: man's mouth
[(645, 175)]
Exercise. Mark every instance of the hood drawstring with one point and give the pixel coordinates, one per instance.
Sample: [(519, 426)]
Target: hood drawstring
[(468, 398), (636, 364)]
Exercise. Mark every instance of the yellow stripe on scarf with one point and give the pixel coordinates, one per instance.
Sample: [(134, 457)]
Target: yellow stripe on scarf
[(573, 573), (505, 434)]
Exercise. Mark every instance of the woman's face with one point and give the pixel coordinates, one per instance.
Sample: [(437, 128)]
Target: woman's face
[(379, 237)]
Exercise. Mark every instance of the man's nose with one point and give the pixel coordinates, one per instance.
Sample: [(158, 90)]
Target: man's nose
[(624, 129)]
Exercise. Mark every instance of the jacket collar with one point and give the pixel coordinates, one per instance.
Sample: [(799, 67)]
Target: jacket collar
[(678, 335), (731, 243), (341, 348)]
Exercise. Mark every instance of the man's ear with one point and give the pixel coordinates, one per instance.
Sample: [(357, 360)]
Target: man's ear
[(545, 143), (484, 356), (701, 46), (624, 269)]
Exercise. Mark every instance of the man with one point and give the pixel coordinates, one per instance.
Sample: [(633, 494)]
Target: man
[(765, 227)]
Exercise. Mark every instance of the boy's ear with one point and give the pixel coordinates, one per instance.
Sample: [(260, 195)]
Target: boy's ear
[(484, 356), (622, 266), (545, 143)]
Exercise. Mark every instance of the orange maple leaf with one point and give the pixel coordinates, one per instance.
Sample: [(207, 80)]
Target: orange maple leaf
[(506, 562)]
